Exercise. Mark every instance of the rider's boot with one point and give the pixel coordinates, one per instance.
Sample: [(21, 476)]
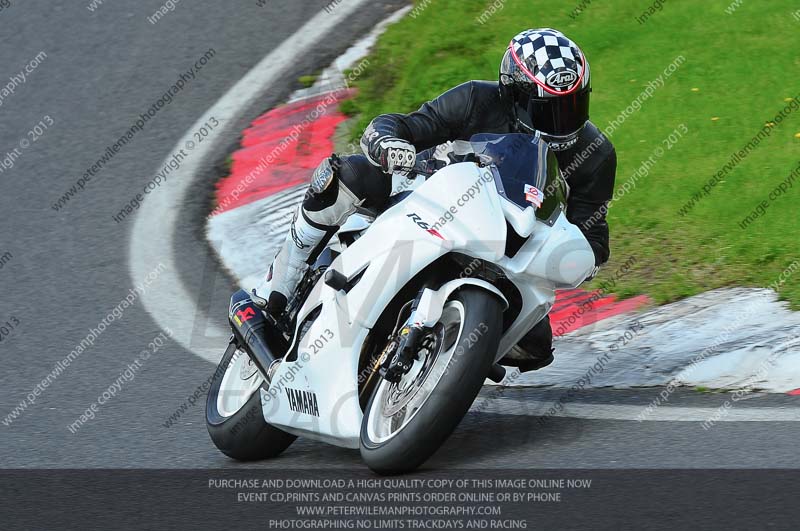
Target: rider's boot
[(300, 249), (327, 204), (534, 351)]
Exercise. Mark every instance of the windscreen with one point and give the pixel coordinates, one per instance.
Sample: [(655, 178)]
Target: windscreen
[(527, 170)]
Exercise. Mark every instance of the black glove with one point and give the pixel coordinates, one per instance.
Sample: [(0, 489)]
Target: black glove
[(393, 155)]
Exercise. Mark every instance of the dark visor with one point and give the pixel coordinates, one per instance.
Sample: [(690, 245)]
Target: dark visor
[(558, 116)]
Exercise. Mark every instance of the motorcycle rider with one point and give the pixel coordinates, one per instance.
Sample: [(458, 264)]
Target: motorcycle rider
[(544, 85)]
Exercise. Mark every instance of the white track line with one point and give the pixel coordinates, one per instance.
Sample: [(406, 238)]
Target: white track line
[(499, 406), (153, 230)]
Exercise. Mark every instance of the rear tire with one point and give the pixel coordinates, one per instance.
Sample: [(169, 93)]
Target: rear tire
[(461, 364), (242, 434)]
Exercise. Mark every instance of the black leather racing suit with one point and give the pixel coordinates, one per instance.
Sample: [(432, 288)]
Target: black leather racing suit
[(589, 166)]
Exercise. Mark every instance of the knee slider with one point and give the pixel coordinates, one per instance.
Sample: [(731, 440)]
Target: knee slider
[(325, 174), (328, 201)]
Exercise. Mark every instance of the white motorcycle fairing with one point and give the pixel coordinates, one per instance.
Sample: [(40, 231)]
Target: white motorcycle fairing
[(460, 209)]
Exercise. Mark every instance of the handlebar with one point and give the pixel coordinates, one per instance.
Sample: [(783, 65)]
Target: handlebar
[(428, 167)]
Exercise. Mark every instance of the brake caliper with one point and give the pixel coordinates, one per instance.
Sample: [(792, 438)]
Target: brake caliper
[(400, 363)]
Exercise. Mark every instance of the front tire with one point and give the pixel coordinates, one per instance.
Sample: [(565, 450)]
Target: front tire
[(405, 423), (234, 417)]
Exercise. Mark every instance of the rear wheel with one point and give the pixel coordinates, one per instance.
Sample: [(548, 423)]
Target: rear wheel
[(406, 422), (233, 411)]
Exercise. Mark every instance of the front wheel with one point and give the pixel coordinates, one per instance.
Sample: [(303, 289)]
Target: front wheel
[(234, 417), (406, 422)]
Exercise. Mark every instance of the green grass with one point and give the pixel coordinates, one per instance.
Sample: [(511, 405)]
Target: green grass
[(308, 80), (743, 66)]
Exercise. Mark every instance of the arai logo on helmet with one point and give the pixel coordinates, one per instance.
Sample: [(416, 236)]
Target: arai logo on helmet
[(562, 78)]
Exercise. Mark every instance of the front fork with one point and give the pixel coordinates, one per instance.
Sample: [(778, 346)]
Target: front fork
[(405, 344), (425, 313)]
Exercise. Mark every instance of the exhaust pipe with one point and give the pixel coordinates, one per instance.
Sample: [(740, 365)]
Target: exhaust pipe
[(249, 326)]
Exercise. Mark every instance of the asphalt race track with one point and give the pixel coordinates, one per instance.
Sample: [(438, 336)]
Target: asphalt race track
[(68, 267)]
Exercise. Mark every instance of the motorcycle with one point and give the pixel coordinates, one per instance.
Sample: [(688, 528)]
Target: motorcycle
[(393, 331)]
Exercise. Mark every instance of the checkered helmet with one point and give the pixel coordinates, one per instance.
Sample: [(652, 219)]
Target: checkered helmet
[(545, 83)]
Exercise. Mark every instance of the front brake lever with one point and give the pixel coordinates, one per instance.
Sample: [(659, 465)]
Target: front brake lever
[(464, 157), (428, 167)]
